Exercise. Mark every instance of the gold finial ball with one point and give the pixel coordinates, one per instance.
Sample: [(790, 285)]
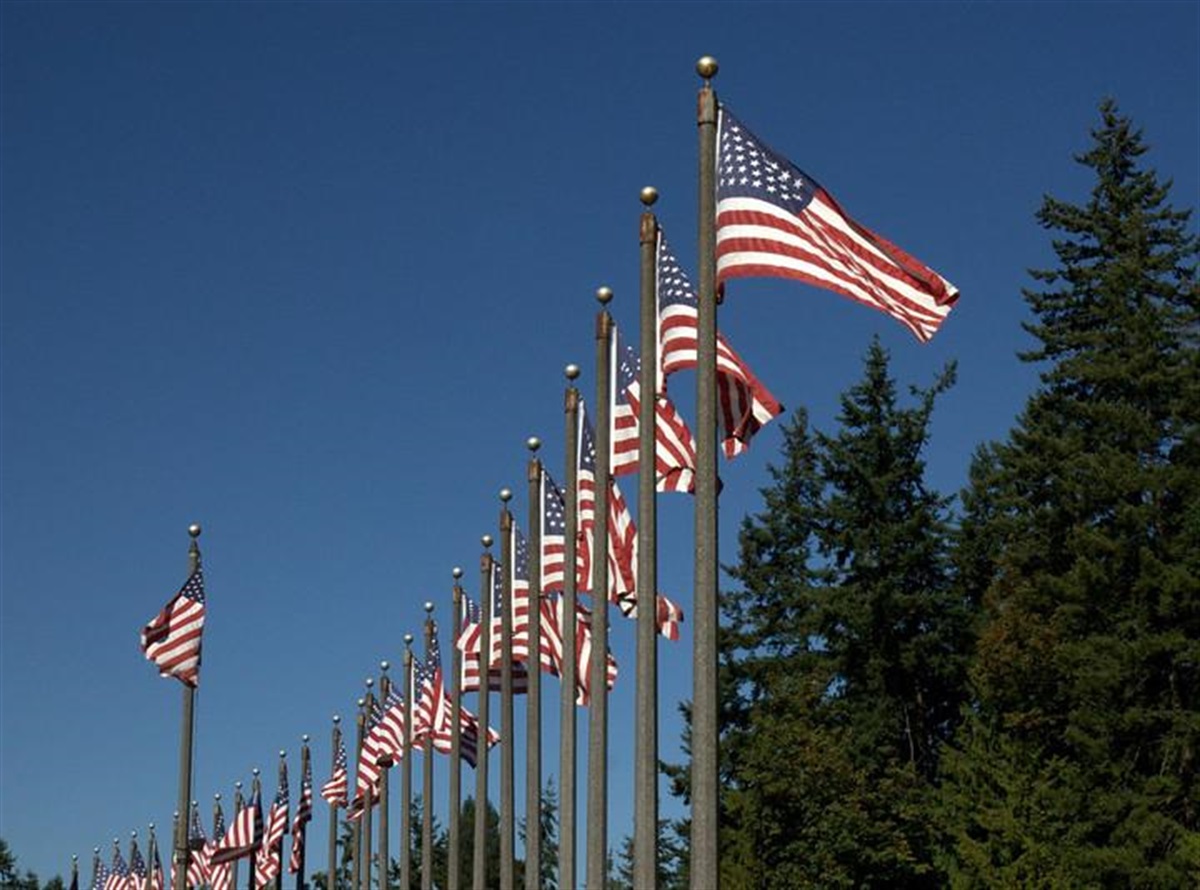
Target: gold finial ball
[(706, 67), (604, 295), (255, 771), (456, 572), (408, 638), (428, 606), (533, 443), (384, 665), (304, 738), (133, 833), (237, 785), (362, 702), (487, 540), (370, 682), (217, 796), (152, 824), (96, 850), (572, 371), (649, 195), (506, 495), (194, 529), (117, 841), (282, 754), (74, 857)]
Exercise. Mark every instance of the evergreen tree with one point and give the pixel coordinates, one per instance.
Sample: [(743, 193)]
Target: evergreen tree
[(548, 813), (843, 654), (1077, 766)]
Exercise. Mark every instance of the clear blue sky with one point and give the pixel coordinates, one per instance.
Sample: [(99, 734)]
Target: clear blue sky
[(309, 274)]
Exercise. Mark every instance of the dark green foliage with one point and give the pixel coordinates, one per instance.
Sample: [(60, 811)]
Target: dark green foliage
[(10, 877), (1077, 766), (843, 654), (549, 817)]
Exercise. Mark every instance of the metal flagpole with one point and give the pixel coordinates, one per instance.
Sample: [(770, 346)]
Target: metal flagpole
[(238, 803), (305, 770), (597, 805), (356, 834), (255, 794), (453, 872), (507, 729), (645, 773), (533, 705), (566, 765), (406, 771), (364, 870), (74, 872), (152, 851), (187, 732), (704, 859), (95, 866), (281, 779), (331, 876), (385, 686), (479, 874), (427, 776)]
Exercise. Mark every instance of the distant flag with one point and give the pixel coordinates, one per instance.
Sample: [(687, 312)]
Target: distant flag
[(220, 876), (775, 221), (137, 867), (621, 556), (118, 875), (675, 449), (670, 614), (745, 404), (172, 639), (470, 641), (157, 878), (468, 742), (244, 834), (518, 608), (554, 532), (303, 816), (383, 740), (198, 867), (430, 715), (335, 791), (268, 862), (74, 885), (99, 874)]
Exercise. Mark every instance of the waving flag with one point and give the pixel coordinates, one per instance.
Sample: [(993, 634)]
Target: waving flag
[(198, 870), (470, 640), (775, 221), (430, 716), (335, 791), (220, 875), (303, 817), (137, 867), (622, 557), (172, 639), (118, 876), (269, 860), (745, 404), (244, 834), (99, 874), (675, 449), (383, 742)]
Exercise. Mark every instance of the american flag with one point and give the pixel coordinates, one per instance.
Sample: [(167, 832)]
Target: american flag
[(745, 404), (383, 742), (303, 817), (137, 867), (583, 656), (668, 619), (675, 449), (220, 875), (519, 609), (172, 639), (470, 640), (99, 874), (198, 867), (554, 534), (468, 739), (430, 716), (775, 221), (622, 555), (244, 834), (118, 876), (157, 879), (335, 791), (269, 860)]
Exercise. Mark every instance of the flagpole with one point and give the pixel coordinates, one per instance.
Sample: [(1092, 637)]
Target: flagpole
[(364, 866), (479, 875), (74, 871), (280, 780), (187, 732), (385, 687), (427, 775), (95, 867), (356, 844), (238, 803), (645, 773), (152, 851), (533, 704), (507, 729), (255, 794), (597, 805), (305, 770), (705, 801), (406, 771), (331, 876), (453, 872), (568, 716)]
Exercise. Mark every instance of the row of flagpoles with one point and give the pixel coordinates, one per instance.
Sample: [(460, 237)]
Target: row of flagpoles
[(758, 215)]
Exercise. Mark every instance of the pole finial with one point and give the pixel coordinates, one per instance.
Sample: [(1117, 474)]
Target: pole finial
[(408, 638), (362, 702), (194, 529), (255, 772), (533, 443), (706, 67), (428, 607), (604, 295), (370, 682), (385, 665), (457, 572), (506, 495), (304, 738), (217, 796), (486, 540), (649, 195), (337, 718), (282, 754), (572, 371), (237, 786)]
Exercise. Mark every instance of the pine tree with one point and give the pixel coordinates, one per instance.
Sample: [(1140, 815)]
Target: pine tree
[(1077, 765), (843, 654)]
